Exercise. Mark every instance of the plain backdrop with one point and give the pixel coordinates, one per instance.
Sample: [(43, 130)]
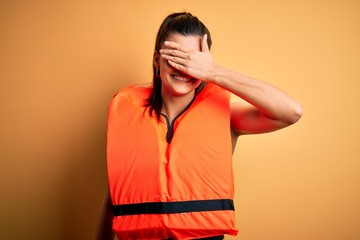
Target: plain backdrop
[(62, 61)]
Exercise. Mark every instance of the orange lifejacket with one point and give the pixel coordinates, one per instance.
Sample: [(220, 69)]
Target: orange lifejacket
[(177, 185)]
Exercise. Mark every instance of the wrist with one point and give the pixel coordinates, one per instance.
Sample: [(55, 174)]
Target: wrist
[(216, 75)]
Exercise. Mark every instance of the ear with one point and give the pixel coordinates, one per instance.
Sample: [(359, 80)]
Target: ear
[(156, 59)]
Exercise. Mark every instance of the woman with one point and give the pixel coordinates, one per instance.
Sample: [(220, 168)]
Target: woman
[(169, 145)]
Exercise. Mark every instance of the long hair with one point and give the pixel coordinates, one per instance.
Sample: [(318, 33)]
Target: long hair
[(183, 23)]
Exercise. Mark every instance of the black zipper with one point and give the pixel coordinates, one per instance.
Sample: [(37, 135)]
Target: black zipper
[(170, 126)]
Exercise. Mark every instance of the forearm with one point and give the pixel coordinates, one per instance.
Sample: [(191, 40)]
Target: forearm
[(267, 98), (104, 228)]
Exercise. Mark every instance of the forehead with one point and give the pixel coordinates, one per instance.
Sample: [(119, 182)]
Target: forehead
[(191, 42)]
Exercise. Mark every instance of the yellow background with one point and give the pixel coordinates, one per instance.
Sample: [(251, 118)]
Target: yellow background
[(61, 62)]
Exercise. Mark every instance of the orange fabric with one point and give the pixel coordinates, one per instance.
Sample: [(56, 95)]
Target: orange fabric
[(196, 165)]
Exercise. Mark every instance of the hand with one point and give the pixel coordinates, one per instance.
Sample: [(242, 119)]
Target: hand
[(198, 64)]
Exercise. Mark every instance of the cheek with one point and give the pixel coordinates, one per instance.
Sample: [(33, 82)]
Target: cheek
[(165, 64), (198, 83)]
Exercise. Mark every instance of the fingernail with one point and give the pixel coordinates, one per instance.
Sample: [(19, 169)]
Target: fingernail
[(166, 43)]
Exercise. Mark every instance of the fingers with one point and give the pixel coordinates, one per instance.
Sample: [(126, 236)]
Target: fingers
[(174, 53), (177, 66), (174, 59), (173, 45), (204, 44), (176, 56), (187, 60)]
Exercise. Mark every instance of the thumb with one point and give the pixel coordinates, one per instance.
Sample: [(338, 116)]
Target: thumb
[(204, 44)]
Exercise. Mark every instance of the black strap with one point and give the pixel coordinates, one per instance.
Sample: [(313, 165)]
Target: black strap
[(173, 207)]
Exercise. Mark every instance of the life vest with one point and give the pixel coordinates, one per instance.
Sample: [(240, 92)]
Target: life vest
[(180, 187)]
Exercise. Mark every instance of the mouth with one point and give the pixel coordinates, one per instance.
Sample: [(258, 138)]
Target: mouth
[(182, 78)]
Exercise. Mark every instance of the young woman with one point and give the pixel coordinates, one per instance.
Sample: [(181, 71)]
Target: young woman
[(170, 144)]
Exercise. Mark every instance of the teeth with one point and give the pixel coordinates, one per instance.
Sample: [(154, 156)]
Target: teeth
[(182, 78)]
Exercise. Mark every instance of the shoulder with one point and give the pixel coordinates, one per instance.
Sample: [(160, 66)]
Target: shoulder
[(132, 94), (214, 90), (135, 92)]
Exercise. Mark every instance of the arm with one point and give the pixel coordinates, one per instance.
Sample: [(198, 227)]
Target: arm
[(104, 228), (270, 108)]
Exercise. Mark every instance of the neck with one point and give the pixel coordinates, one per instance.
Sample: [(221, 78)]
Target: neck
[(174, 105)]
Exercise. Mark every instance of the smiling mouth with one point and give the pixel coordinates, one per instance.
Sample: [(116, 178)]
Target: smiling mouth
[(184, 79)]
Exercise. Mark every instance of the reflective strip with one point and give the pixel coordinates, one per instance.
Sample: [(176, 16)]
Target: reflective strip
[(173, 207)]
